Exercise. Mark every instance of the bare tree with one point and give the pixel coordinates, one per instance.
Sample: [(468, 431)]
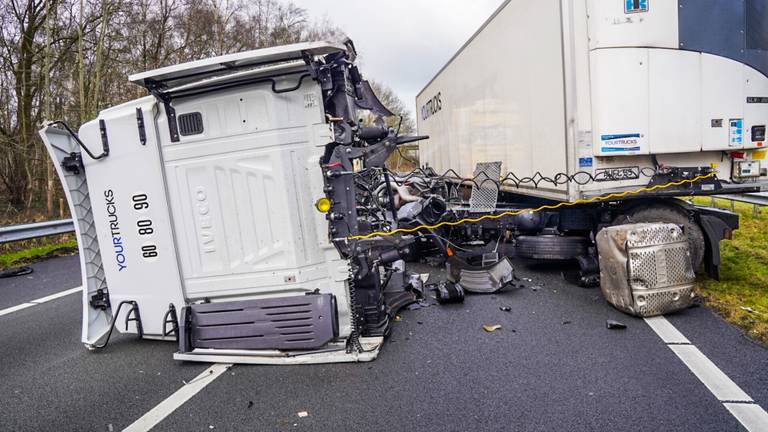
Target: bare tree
[(68, 59)]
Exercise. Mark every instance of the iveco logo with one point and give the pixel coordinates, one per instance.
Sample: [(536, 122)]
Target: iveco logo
[(205, 221), (634, 6)]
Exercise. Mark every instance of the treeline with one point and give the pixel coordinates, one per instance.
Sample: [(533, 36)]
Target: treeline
[(68, 59)]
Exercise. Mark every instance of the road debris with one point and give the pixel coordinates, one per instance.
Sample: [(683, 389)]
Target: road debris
[(505, 308), (17, 271), (448, 292), (566, 322), (418, 305), (398, 318), (747, 309), (615, 325), (490, 328), (488, 279), (302, 414), (250, 404)]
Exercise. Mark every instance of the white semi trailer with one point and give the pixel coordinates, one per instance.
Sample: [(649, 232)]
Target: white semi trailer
[(581, 98)]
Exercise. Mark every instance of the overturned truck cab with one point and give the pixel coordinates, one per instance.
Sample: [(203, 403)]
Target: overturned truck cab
[(215, 212)]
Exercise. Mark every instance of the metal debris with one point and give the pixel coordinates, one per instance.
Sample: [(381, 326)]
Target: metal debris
[(615, 325), (491, 328)]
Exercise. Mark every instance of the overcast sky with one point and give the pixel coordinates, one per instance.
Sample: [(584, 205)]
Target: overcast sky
[(403, 43)]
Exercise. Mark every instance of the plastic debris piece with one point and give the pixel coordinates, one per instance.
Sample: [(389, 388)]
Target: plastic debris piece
[(535, 288), (488, 279), (302, 414), (491, 328), (566, 322), (398, 318), (505, 308), (250, 404), (747, 309), (615, 325), (418, 305)]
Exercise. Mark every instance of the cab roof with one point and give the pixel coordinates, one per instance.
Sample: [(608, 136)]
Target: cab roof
[(182, 74)]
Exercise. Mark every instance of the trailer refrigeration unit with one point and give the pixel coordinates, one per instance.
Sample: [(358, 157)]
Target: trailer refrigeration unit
[(215, 211), (579, 99)]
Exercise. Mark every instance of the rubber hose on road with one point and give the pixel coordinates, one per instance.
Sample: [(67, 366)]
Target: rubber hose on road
[(16, 271)]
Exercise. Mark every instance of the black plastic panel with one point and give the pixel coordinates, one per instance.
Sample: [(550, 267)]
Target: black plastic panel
[(286, 323)]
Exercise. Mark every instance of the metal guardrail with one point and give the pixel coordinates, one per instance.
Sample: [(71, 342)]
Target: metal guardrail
[(756, 199), (34, 230)]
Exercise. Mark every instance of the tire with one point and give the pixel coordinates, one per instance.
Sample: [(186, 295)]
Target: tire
[(670, 214), (550, 247)]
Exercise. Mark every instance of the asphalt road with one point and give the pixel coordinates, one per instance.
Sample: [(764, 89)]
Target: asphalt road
[(552, 367)]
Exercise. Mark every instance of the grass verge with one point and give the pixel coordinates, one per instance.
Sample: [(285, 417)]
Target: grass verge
[(29, 255), (741, 294)]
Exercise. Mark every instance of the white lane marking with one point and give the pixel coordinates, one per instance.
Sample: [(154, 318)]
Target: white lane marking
[(16, 308), (57, 295), (166, 407), (666, 331), (752, 416), (716, 381), (40, 300)]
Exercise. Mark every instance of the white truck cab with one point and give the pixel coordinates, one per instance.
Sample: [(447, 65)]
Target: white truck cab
[(197, 222)]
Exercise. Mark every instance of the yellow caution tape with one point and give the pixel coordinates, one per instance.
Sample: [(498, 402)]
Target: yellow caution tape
[(599, 198)]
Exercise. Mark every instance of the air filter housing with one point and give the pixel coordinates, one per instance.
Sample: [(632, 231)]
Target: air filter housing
[(645, 269)]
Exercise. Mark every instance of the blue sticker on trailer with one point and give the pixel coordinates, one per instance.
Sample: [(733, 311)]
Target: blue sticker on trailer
[(618, 149), (585, 162), (620, 143), (634, 6)]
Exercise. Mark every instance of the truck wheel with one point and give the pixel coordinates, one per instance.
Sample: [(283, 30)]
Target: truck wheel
[(670, 214), (550, 247)]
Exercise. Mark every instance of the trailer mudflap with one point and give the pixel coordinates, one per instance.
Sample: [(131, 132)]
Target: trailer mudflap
[(284, 323), (717, 225)]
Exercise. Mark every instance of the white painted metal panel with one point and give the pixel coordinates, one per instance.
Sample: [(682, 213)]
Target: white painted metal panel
[(136, 239), (501, 101), (242, 195), (675, 101), (611, 26), (755, 114), (620, 101), (722, 100)]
